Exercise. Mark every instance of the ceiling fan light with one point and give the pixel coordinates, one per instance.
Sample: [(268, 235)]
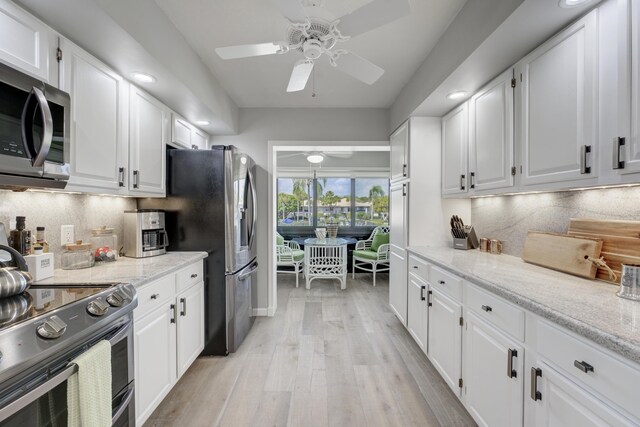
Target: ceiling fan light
[(143, 77), (568, 4), (315, 158), (459, 94), (203, 122)]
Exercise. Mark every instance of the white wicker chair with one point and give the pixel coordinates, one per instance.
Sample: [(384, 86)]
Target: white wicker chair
[(363, 255), (289, 254), (326, 262)]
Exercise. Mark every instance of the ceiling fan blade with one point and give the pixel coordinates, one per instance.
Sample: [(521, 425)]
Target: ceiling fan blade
[(300, 75), (248, 50), (373, 15), (291, 9), (359, 68)]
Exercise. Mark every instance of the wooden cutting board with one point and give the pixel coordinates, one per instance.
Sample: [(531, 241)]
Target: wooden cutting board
[(563, 253), (621, 242)]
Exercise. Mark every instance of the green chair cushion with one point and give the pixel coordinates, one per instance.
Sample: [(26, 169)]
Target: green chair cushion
[(360, 253), (298, 254), (379, 240), (279, 239)]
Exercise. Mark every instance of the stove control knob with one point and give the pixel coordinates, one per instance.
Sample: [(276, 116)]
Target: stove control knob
[(52, 328), (97, 307), (115, 299)]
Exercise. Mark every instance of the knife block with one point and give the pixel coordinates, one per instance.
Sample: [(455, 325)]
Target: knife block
[(469, 242)]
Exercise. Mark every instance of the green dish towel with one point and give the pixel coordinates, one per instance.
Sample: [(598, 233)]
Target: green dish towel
[(89, 390)]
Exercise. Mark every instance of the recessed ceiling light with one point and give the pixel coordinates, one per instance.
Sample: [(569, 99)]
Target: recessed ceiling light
[(568, 4), (143, 77), (459, 94), (203, 122), (315, 158)]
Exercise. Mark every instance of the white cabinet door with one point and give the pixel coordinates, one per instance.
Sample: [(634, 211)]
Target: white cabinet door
[(417, 311), (399, 142), (560, 106), (630, 151), (199, 139), (398, 215), (146, 144), (493, 375), (155, 360), (562, 402), (445, 338), (190, 326), (27, 44), (455, 146), (398, 282), (491, 146), (99, 121), (180, 131)]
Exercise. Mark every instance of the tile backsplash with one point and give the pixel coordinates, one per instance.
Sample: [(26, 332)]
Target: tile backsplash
[(52, 210), (509, 218)]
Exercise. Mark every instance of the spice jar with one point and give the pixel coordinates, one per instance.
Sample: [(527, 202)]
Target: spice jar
[(104, 244), (77, 255)]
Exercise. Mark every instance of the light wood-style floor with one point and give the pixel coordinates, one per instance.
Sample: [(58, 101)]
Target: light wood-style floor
[(327, 358)]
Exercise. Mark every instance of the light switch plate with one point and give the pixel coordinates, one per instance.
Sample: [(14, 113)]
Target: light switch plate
[(67, 234)]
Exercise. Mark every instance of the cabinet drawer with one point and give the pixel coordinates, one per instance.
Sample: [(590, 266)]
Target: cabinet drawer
[(189, 276), (419, 267), (155, 295), (496, 311), (613, 379), (448, 283)]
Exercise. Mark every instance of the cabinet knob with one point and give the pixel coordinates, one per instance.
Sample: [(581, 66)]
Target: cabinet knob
[(442, 282), (155, 296), (194, 275)]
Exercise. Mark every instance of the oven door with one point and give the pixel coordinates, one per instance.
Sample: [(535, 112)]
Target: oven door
[(41, 400)]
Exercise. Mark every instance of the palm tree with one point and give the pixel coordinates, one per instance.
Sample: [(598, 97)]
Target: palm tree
[(375, 192), (300, 194)]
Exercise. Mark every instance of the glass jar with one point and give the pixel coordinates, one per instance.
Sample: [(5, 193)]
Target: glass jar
[(104, 244), (77, 255)]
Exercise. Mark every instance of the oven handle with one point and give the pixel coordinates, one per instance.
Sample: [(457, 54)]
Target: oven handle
[(122, 332), (123, 405), (36, 393)]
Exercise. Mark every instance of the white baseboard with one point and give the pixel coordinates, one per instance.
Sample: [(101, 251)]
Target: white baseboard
[(260, 312), (271, 312)]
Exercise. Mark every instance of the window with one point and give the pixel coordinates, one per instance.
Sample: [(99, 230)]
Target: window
[(295, 202), (334, 201), (349, 202), (372, 201)]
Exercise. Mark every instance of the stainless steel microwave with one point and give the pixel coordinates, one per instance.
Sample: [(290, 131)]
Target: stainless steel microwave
[(34, 132)]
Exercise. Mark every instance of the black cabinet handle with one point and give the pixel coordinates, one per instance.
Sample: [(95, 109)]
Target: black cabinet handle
[(462, 182), (194, 275), (183, 301), (535, 374), (422, 288), (511, 373), (173, 317), (583, 366), (441, 282), (487, 308), (429, 303), (121, 177), (472, 177)]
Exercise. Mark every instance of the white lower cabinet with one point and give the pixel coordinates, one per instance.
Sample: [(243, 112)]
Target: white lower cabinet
[(561, 402), (493, 374), (155, 360), (190, 326), (445, 338), (417, 310), (168, 337), (398, 282)]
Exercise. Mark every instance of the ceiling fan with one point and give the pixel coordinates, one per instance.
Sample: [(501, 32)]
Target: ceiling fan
[(314, 37), (317, 156)]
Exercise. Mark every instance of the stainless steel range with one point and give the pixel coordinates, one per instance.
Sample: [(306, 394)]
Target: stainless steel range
[(45, 328)]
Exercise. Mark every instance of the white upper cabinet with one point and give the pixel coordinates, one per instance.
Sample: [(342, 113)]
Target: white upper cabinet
[(399, 142), (180, 131), (199, 139), (27, 44), (455, 143), (491, 142), (99, 121), (147, 126), (398, 215), (559, 106), (629, 153)]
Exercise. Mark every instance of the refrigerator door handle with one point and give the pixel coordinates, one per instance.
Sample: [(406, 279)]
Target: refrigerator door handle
[(253, 269), (254, 200)]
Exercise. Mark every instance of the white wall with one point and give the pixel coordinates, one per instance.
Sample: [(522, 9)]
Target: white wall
[(258, 126)]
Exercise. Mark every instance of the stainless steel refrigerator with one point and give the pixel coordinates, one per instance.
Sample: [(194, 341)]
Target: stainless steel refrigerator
[(211, 206)]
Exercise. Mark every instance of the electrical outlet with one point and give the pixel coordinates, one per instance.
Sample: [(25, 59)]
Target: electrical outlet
[(67, 234)]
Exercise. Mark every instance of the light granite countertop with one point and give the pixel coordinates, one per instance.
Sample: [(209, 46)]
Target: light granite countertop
[(136, 271), (589, 308)]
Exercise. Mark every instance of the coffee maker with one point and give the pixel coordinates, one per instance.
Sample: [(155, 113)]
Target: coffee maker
[(144, 233)]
